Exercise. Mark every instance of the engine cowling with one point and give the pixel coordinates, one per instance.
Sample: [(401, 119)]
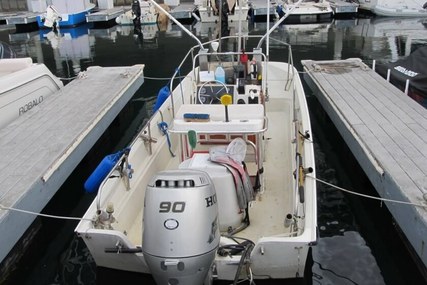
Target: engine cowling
[(180, 223)]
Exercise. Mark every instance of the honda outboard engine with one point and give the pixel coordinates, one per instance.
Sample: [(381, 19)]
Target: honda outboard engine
[(180, 223)]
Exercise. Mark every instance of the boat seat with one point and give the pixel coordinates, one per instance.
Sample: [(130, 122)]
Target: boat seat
[(248, 118)]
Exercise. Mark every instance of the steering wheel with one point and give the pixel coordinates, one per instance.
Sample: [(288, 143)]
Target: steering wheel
[(209, 94)]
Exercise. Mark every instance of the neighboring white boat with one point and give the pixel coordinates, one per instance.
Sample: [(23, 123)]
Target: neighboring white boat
[(23, 86), (209, 12), (148, 15), (401, 8), (307, 11), (395, 8), (212, 191), (64, 13)]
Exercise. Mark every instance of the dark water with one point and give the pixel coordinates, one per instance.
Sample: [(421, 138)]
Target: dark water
[(358, 244)]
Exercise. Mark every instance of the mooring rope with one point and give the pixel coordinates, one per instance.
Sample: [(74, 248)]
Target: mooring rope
[(163, 78), (367, 196), (2, 207)]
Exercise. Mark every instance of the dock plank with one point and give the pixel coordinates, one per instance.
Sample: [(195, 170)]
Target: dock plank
[(183, 11), (41, 148), (19, 18), (107, 14), (386, 131)]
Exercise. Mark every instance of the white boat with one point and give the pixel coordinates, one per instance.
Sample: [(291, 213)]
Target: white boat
[(395, 8), (23, 86), (401, 8), (148, 15), (307, 11), (209, 12), (210, 191), (64, 13)]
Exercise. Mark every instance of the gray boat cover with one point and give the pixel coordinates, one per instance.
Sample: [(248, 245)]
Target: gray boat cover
[(414, 68)]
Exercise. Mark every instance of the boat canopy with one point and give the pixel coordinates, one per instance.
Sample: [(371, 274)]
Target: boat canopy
[(412, 68)]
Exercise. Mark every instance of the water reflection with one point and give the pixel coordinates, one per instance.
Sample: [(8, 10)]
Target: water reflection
[(69, 47), (6, 51), (345, 247), (390, 39), (345, 259)]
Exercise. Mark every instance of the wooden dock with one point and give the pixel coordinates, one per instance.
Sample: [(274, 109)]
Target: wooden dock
[(386, 132), (259, 8), (183, 12), (42, 147), (19, 18), (341, 7), (106, 15)]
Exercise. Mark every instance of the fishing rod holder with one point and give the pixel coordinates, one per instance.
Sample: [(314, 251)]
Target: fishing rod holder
[(148, 139)]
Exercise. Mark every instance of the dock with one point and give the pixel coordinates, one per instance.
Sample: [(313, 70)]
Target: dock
[(341, 7), (386, 132), (19, 18), (183, 12), (259, 8), (41, 148), (106, 15)]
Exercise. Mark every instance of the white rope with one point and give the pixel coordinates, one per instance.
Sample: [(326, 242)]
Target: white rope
[(42, 215), (163, 78), (145, 77), (368, 196)]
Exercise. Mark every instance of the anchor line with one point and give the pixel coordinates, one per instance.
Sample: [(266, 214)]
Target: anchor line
[(367, 196), (2, 207)]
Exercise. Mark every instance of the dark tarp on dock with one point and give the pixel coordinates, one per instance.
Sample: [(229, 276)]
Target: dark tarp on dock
[(414, 68)]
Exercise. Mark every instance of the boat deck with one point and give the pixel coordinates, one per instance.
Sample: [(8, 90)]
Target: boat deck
[(267, 212), (272, 205), (387, 133), (41, 148), (107, 14)]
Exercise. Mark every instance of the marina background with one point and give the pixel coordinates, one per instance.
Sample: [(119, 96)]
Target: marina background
[(359, 243)]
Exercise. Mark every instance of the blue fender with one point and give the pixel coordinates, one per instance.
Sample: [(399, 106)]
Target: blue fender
[(98, 175), (164, 93)]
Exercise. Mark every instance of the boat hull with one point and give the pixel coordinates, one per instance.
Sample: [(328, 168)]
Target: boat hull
[(68, 20), (275, 254), (399, 12), (25, 88), (391, 8)]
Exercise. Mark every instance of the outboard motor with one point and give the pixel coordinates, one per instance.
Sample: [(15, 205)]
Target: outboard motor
[(181, 233)]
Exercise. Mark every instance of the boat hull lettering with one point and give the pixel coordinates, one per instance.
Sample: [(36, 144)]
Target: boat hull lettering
[(30, 105)]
